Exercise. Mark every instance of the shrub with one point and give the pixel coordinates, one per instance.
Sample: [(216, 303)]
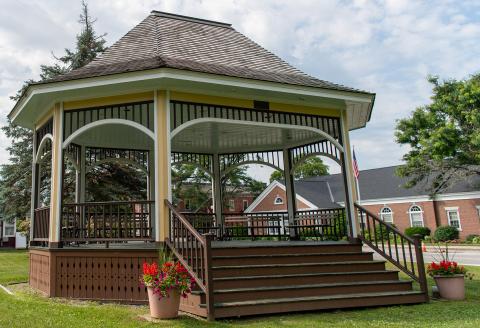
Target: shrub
[(470, 238), (445, 233), (379, 234), (423, 231), (476, 240)]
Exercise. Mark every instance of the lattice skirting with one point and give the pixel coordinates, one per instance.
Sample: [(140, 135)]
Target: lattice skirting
[(94, 274)]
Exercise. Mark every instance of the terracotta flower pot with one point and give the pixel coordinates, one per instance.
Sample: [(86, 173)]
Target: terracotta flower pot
[(165, 307), (451, 287)]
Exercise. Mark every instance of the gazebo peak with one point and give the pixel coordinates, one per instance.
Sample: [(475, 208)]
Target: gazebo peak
[(165, 40)]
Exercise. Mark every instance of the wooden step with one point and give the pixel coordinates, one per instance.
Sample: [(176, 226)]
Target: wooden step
[(296, 268), (259, 248), (291, 258), (283, 305), (298, 279), (255, 293)]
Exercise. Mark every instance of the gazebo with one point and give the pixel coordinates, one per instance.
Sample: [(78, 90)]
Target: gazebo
[(178, 90)]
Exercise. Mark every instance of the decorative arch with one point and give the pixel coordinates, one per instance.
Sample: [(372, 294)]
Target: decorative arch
[(182, 112), (321, 148), (109, 121), (41, 147), (322, 133), (272, 159), (202, 161)]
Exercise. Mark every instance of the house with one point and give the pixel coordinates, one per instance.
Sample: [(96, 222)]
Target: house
[(7, 233), (9, 237), (382, 193), (179, 89)]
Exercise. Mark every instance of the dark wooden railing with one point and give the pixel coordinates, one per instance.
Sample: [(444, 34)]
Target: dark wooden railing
[(255, 225), (402, 251), (41, 224), (203, 222), (194, 251), (107, 221), (322, 224), (328, 224)]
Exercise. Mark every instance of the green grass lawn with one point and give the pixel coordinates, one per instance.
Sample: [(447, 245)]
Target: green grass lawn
[(26, 310), (13, 266)]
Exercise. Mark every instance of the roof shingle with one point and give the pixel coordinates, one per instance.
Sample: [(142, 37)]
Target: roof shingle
[(173, 41)]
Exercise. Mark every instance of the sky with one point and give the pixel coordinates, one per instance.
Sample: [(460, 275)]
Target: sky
[(385, 47)]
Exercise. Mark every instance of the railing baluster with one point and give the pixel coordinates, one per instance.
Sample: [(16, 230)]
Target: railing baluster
[(417, 272)]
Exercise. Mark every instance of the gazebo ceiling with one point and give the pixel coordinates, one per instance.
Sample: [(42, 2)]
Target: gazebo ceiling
[(221, 137)]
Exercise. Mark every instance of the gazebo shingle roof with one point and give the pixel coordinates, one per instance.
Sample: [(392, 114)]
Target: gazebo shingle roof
[(179, 42)]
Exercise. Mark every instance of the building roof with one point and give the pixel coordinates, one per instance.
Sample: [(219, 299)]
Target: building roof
[(375, 184), (164, 40), (380, 183)]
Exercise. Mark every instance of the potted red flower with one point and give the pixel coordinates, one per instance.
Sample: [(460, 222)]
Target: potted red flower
[(450, 279), (165, 285)]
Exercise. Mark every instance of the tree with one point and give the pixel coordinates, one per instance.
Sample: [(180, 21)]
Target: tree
[(15, 177), (194, 184), (444, 136), (311, 167)]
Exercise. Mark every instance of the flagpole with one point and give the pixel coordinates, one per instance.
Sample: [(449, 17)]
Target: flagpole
[(357, 174), (358, 190)]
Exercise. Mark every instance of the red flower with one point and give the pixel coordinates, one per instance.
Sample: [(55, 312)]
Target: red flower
[(150, 269)]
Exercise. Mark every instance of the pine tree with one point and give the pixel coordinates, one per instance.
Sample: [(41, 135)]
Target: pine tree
[(15, 177)]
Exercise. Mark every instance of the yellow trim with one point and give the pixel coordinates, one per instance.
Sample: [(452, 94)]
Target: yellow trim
[(246, 103), (304, 109), (104, 101), (214, 100), (162, 136), (56, 183)]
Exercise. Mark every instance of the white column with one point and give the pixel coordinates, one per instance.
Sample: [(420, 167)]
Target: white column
[(347, 172), (34, 195), (83, 172), (290, 190), (57, 169)]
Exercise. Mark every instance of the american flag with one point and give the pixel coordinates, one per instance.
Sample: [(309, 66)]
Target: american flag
[(356, 172)]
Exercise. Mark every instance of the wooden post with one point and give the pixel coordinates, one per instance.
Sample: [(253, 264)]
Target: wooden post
[(162, 163), (217, 194), (34, 195), (290, 190), (57, 175), (420, 265), (208, 277), (347, 172)]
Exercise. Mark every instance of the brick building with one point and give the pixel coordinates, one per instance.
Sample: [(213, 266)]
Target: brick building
[(382, 193)]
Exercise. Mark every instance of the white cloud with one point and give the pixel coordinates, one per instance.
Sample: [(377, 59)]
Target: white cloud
[(387, 47)]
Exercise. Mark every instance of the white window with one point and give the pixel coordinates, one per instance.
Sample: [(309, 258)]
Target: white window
[(416, 216), (8, 229), (278, 200), (276, 226), (245, 204), (453, 217), (478, 211), (231, 205), (386, 215)]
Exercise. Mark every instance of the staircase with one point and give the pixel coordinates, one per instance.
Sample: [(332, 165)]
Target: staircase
[(251, 278)]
